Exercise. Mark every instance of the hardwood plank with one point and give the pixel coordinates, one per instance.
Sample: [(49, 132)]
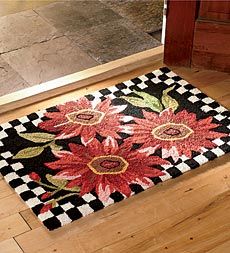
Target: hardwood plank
[(64, 246), (183, 232), (80, 79), (5, 190), (219, 89), (221, 248), (202, 78), (12, 225), (11, 204), (30, 218), (9, 246), (206, 234), (225, 100)]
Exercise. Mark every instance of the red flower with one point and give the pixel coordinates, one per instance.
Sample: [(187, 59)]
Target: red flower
[(105, 167), (85, 118), (176, 134), (46, 208), (34, 176), (46, 195)]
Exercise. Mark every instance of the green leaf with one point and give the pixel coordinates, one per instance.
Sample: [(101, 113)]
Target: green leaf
[(166, 91), (55, 147), (150, 101), (37, 137), (28, 152), (147, 100), (60, 183), (135, 101), (168, 101)]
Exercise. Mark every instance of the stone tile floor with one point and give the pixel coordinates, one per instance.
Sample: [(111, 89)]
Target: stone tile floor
[(43, 40)]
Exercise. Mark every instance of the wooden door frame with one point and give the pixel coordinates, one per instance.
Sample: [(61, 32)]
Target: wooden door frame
[(180, 31)]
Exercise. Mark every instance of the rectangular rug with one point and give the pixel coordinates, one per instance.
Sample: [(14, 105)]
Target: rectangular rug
[(76, 158)]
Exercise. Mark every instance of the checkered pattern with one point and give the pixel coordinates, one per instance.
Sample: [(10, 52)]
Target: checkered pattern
[(68, 210)]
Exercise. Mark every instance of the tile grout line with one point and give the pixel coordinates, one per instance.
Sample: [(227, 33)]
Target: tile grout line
[(24, 81), (35, 43), (43, 41), (46, 20), (24, 47)]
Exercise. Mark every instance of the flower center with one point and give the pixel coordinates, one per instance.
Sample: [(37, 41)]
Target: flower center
[(85, 117), (110, 164), (171, 132)]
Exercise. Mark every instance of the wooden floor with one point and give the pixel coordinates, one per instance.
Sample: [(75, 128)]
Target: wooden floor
[(190, 214)]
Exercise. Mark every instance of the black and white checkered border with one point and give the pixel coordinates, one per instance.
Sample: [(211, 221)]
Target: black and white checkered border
[(186, 164), (194, 95), (66, 212)]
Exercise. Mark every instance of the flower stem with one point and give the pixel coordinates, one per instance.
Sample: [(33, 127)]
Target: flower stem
[(48, 186), (48, 144), (57, 190), (66, 196)]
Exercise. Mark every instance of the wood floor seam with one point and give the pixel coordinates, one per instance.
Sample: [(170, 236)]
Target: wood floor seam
[(18, 245)]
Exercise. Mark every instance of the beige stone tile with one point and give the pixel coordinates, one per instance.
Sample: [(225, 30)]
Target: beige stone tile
[(48, 60), (146, 15), (14, 6), (156, 35), (24, 29), (71, 16), (10, 80), (113, 40)]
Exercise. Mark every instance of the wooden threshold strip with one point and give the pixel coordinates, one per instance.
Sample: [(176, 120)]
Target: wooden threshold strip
[(79, 79)]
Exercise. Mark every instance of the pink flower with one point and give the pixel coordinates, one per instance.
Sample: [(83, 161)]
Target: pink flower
[(176, 134), (84, 118), (105, 167)]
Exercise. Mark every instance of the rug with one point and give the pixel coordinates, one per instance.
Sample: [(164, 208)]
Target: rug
[(76, 158)]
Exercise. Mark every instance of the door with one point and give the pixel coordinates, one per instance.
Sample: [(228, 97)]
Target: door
[(198, 34)]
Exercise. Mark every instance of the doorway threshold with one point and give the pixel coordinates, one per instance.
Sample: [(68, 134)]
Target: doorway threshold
[(80, 79)]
